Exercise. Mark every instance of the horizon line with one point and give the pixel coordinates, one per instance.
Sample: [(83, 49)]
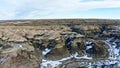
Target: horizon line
[(59, 19)]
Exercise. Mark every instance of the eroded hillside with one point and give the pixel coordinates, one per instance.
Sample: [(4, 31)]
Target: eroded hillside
[(57, 45)]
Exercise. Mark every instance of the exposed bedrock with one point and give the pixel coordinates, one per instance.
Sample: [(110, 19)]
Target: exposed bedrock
[(26, 47)]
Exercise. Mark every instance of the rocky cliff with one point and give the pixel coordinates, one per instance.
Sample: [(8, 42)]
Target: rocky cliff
[(65, 44)]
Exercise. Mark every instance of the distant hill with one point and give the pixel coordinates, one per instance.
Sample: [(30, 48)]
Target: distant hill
[(68, 22)]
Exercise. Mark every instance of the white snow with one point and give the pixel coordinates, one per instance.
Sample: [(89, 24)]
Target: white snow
[(116, 52), (75, 55), (88, 47), (20, 46), (58, 62), (118, 64), (109, 39), (113, 53), (112, 62), (104, 31), (52, 63), (113, 56), (99, 66), (46, 51), (88, 42), (99, 63), (84, 57), (63, 59)]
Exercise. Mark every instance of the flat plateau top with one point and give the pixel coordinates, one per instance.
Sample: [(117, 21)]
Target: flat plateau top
[(38, 22)]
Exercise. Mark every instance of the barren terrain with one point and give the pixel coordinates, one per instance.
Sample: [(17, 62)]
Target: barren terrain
[(60, 43)]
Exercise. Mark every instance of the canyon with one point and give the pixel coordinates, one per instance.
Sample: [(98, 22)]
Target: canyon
[(60, 43)]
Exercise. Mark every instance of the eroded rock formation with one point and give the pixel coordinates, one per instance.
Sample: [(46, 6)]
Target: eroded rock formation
[(45, 45)]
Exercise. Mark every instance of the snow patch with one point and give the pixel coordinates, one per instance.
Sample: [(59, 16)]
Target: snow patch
[(84, 57), (52, 63), (88, 47), (88, 42), (46, 51), (20, 46), (58, 62)]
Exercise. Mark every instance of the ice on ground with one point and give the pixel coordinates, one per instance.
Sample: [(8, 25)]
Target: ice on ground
[(113, 52), (113, 58), (75, 55), (88, 47), (46, 51), (108, 40), (52, 63), (88, 42), (116, 52), (20, 46), (84, 57), (99, 66), (89, 65), (58, 62), (112, 62), (63, 59), (109, 62), (104, 32), (118, 64)]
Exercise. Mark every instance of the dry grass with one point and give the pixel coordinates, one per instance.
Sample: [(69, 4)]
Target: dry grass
[(52, 27), (21, 27), (40, 22)]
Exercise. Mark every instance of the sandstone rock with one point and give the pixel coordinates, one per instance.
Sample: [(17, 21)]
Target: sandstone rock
[(28, 42), (79, 36), (16, 38), (57, 54), (73, 65), (20, 56)]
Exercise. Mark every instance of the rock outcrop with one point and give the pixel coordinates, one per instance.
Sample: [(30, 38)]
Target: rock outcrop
[(31, 46)]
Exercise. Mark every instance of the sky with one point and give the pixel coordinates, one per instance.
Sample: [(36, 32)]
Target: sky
[(58, 9)]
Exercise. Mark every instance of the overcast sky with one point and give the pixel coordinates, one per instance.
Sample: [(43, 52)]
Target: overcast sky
[(40, 9)]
